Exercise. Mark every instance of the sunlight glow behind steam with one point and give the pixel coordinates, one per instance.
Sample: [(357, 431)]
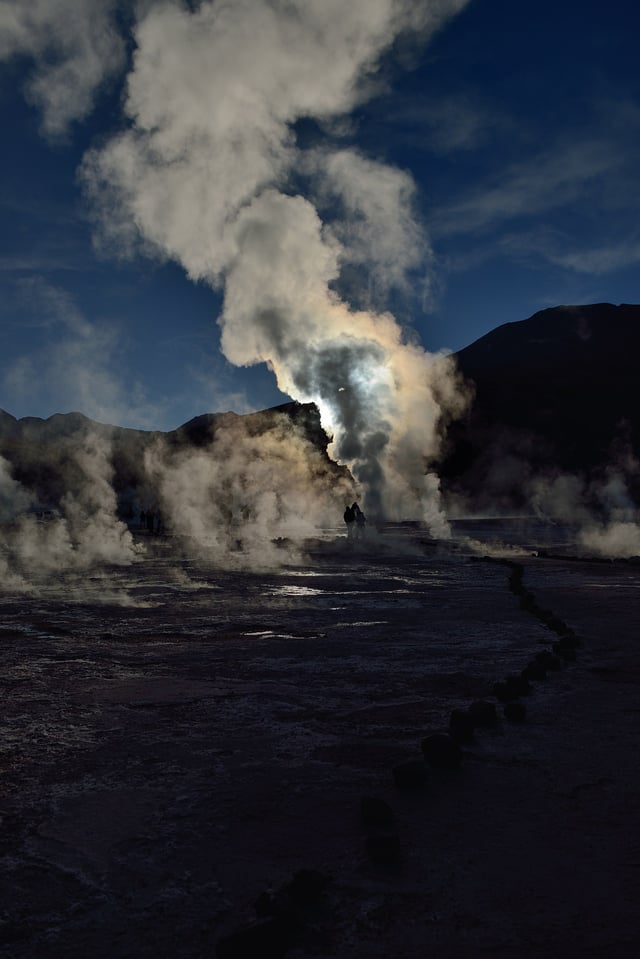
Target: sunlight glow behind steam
[(208, 172)]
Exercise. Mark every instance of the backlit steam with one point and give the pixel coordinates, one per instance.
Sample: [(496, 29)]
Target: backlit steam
[(248, 496), (203, 175), (84, 533)]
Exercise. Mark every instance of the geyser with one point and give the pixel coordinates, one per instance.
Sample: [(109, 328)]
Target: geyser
[(208, 172)]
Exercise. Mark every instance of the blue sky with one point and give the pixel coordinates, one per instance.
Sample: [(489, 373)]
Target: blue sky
[(512, 134)]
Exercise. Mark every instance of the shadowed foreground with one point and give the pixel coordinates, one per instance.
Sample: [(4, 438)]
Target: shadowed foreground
[(178, 743)]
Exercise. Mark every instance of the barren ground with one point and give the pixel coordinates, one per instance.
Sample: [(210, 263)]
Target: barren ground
[(177, 740)]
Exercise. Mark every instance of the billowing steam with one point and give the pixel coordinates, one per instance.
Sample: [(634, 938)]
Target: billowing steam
[(602, 510), (241, 491), (248, 497), (75, 46), (597, 512), (82, 534), (204, 173), (307, 238)]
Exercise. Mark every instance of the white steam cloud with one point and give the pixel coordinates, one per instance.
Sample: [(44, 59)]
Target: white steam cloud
[(75, 46), (82, 534), (204, 174), (209, 171), (248, 497)]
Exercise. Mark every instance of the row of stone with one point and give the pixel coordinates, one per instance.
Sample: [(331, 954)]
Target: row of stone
[(443, 750), (284, 918)]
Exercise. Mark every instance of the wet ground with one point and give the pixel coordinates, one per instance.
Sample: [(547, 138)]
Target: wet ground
[(177, 739)]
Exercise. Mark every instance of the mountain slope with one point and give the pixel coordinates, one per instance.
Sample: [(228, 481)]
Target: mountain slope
[(559, 390), (558, 393), (43, 453)]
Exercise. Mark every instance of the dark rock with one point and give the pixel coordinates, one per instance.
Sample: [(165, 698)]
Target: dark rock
[(384, 848), (376, 813), (441, 751), (570, 639), (270, 904), (564, 651), (261, 940), (461, 726), (549, 659), (504, 692), (551, 620), (294, 899), (411, 774), (306, 888), (528, 601), (516, 712), (534, 670), (519, 684), (483, 713)]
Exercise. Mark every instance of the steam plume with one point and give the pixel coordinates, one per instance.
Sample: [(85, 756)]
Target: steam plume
[(75, 46), (203, 174), (233, 499), (86, 533)]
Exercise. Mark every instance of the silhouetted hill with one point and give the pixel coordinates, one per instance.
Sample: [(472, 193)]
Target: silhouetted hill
[(556, 392), (42, 453)]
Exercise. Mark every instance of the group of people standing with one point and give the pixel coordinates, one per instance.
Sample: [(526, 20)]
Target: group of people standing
[(355, 520), (151, 520)]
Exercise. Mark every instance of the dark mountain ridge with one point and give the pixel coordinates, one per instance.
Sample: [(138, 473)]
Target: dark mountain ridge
[(556, 393), (559, 390), (42, 452)]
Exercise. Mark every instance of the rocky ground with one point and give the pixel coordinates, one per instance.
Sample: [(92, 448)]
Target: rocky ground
[(184, 753)]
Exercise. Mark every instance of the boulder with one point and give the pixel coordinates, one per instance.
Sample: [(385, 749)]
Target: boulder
[(483, 713), (410, 775), (461, 726), (441, 751), (376, 813)]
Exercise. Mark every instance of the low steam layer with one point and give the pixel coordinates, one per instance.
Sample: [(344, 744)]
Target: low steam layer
[(247, 498), (598, 510), (83, 533), (242, 492)]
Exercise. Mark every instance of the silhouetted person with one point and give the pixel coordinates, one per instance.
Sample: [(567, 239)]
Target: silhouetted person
[(349, 518), (143, 518), (360, 520)]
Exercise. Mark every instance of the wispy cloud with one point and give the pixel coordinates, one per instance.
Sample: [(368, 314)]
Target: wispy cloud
[(457, 122), (548, 181), (75, 47), (568, 252), (74, 364), (587, 169), (600, 260)]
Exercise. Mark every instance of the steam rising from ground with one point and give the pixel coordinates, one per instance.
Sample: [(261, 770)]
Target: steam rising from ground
[(246, 500), (204, 174), (602, 509), (245, 495), (599, 509), (209, 171), (84, 534)]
